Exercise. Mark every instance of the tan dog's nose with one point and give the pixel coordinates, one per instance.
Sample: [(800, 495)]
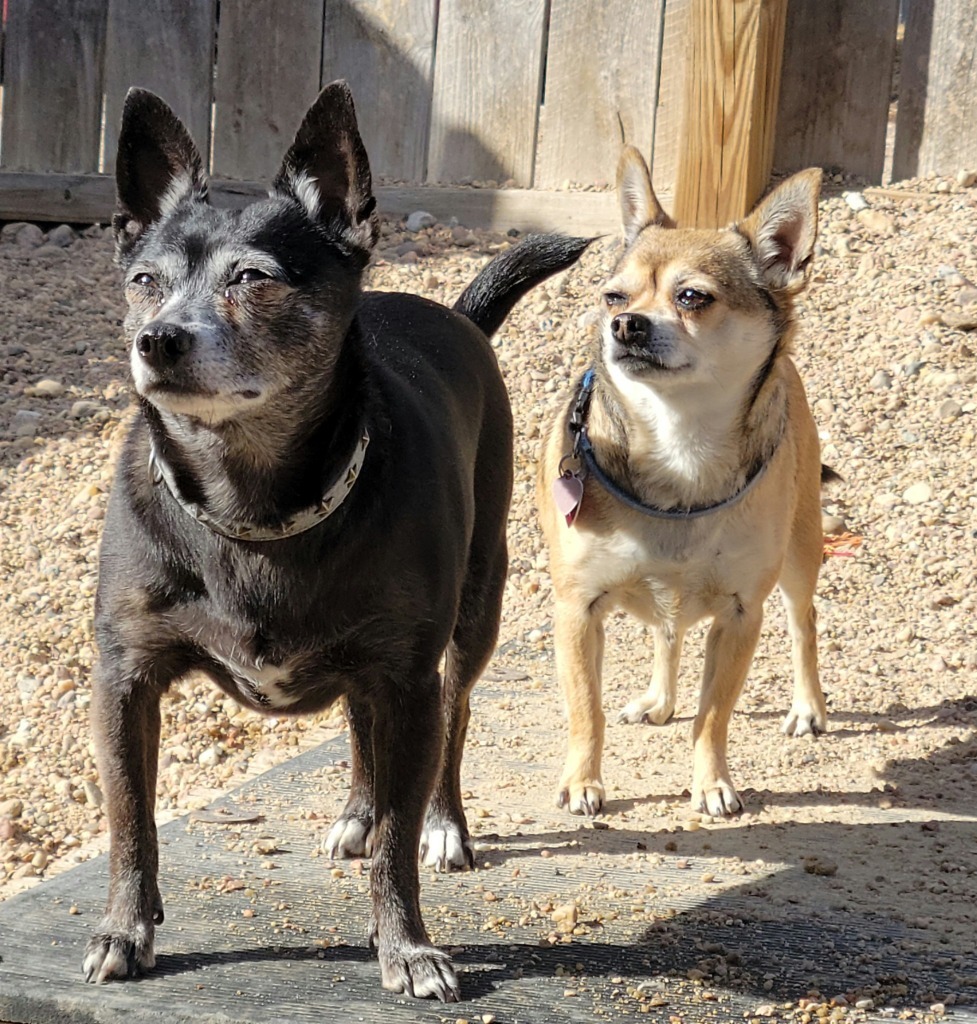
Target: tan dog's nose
[(631, 329)]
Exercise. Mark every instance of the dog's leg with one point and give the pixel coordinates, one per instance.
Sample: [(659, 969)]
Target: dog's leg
[(445, 841), (126, 722), (729, 651), (579, 635), (407, 739), (657, 705), (352, 832), (798, 579)]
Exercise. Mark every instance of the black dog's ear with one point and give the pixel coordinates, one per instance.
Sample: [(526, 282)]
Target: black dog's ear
[(156, 168), (327, 170)]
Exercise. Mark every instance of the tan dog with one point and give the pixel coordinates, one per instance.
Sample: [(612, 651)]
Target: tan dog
[(688, 466)]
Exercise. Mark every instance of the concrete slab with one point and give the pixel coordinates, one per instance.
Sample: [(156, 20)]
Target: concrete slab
[(259, 928)]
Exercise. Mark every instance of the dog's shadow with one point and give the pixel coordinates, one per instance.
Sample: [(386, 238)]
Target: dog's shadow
[(818, 906)]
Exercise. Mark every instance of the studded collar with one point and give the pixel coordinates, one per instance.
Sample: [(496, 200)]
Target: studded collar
[(244, 530)]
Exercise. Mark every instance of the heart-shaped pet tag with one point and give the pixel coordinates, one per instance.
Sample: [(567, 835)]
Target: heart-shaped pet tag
[(568, 493)]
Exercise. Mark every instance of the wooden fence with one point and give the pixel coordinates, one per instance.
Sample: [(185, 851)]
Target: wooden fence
[(535, 95)]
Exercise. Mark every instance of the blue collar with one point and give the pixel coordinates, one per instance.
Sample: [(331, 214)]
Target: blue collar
[(583, 451)]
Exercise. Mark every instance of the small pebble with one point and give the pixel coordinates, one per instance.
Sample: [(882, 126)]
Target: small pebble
[(419, 220), (917, 493)]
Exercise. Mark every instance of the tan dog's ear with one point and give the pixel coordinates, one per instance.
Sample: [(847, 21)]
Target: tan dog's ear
[(639, 205), (782, 230)]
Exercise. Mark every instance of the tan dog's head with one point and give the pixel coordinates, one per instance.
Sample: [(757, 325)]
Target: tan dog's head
[(690, 307)]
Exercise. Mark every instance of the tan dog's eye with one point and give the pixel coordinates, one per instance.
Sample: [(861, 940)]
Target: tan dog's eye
[(614, 300), (145, 281), (692, 299)]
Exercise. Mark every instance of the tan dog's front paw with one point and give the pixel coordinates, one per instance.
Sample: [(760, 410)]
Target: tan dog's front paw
[(582, 797), (805, 718), (718, 798), (653, 710)]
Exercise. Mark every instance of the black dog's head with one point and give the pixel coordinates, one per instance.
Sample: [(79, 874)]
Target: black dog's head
[(228, 310)]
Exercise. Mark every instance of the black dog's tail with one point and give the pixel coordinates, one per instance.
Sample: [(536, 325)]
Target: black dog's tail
[(488, 300)]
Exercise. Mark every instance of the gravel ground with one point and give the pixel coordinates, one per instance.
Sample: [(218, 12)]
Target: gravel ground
[(888, 355)]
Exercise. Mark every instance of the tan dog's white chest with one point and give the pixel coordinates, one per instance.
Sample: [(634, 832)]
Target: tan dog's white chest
[(670, 572)]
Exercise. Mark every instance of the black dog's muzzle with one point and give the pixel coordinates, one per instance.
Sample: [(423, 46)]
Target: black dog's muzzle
[(162, 345)]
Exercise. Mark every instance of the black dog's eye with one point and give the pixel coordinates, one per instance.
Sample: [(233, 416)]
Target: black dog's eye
[(146, 280), (248, 275), (691, 299), (615, 299)]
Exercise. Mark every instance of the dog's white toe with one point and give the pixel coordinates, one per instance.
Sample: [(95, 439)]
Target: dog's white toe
[(444, 848), (582, 799), (349, 837), (719, 799), (653, 710), (805, 719), (118, 952)]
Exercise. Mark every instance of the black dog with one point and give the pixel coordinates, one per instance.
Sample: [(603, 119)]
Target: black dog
[(311, 504)]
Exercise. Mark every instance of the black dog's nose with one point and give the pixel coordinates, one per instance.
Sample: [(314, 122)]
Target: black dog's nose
[(631, 328), (161, 344)]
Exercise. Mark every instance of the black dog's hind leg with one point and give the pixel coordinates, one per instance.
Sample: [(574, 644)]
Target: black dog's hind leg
[(126, 721), (445, 842), (352, 833), (407, 749)]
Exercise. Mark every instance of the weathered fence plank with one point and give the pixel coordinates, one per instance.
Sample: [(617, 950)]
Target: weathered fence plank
[(670, 109), (268, 68), (598, 100), (486, 90), (836, 85), (938, 90), (732, 83), (166, 46), (52, 97), (450, 90), (385, 50), (82, 198)]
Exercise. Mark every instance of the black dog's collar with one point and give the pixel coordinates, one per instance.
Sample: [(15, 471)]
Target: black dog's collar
[(241, 529), (583, 451)]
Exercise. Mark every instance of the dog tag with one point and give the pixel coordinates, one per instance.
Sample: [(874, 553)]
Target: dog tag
[(568, 493)]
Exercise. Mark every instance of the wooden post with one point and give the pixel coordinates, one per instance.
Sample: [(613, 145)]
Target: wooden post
[(732, 80), (938, 91)]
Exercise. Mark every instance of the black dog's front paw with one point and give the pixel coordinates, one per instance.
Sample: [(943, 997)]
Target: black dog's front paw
[(350, 836), (421, 971), (119, 953)]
